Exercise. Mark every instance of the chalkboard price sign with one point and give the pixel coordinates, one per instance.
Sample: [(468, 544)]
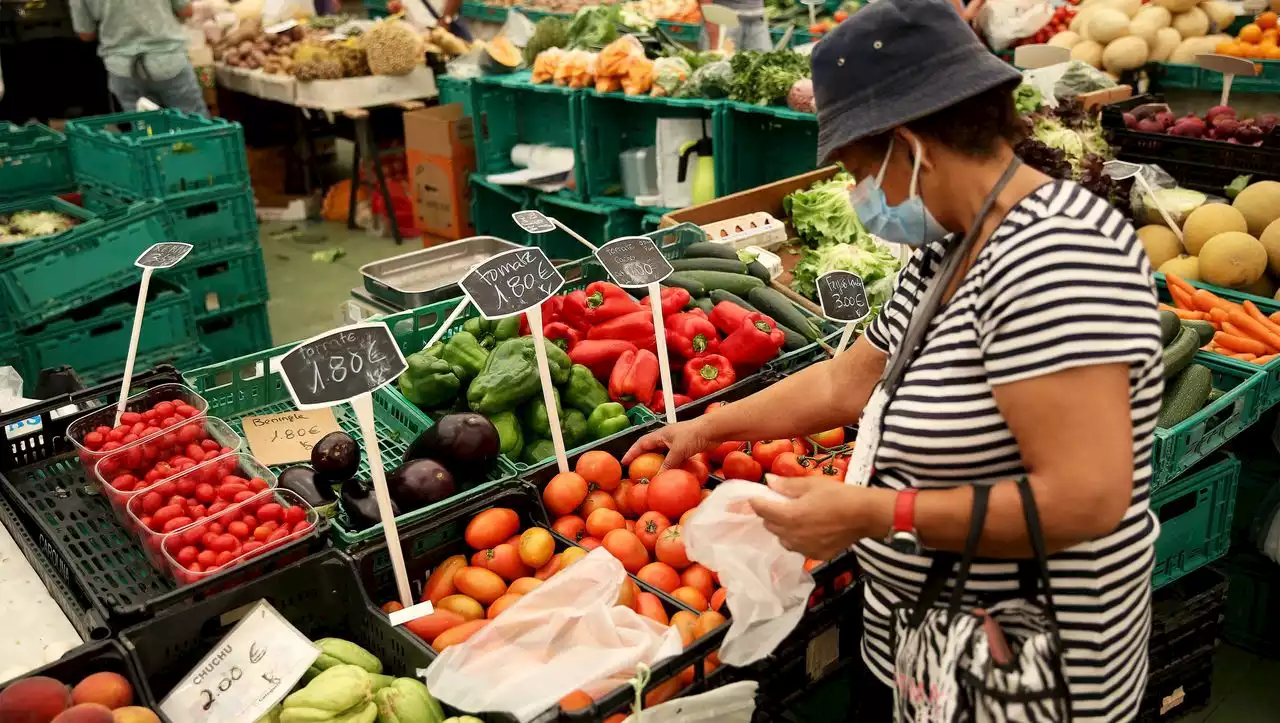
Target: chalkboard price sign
[(511, 282), (634, 261), (163, 255), (342, 364), (533, 221), (843, 296)]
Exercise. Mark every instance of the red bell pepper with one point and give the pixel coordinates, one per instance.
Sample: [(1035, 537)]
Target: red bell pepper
[(634, 378), (574, 310), (689, 336), (754, 343), (562, 335), (673, 300), (636, 328), (606, 301), (660, 401), (600, 355), (728, 316), (551, 312), (706, 374), (698, 312)]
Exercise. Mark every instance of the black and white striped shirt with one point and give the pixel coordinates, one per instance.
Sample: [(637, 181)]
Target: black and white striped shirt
[(1063, 282)]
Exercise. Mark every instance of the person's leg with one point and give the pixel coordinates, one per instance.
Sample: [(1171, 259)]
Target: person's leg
[(181, 91), (126, 90), (755, 33)]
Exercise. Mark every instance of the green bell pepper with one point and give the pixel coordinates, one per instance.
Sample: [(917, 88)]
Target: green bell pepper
[(463, 350), (511, 376), (510, 434), (583, 391), (573, 425), (489, 333), (606, 419), (538, 450), (534, 415), (429, 381)]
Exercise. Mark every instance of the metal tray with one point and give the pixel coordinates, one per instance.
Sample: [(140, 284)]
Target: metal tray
[(424, 277)]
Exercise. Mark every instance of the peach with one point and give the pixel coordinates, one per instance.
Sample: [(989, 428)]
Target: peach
[(34, 700), (134, 714), (108, 689), (85, 713)]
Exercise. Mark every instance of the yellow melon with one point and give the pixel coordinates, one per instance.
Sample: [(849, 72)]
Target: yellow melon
[(1232, 259)]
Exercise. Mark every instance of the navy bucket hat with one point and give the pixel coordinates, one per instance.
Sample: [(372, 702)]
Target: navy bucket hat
[(893, 62)]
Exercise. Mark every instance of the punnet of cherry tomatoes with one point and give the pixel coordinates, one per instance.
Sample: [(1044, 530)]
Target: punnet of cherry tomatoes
[(146, 415), (1060, 21), (139, 465)]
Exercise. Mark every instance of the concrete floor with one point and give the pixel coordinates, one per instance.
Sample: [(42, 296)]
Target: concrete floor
[(306, 297)]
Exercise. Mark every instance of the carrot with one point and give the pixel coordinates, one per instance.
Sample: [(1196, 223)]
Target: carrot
[(1191, 315), (1265, 359), (1218, 316), (1252, 310), (1182, 299), (1249, 325), (1238, 344), (1206, 300), (1275, 317), (1177, 282), (1245, 357)]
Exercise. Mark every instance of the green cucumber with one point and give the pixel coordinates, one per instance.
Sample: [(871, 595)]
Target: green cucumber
[(709, 250), (685, 281), (706, 305), (730, 266), (718, 295), (1185, 396), (787, 314), (1203, 329), (1178, 355), (1169, 326), (739, 284)]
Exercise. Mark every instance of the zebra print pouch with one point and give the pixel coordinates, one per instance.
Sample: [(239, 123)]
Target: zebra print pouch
[(1001, 663)]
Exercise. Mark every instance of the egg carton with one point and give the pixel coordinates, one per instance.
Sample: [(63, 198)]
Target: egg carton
[(752, 229)]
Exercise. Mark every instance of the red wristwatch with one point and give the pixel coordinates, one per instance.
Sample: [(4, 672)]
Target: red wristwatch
[(902, 536)]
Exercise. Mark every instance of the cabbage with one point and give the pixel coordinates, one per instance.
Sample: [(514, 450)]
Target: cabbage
[(40, 223)]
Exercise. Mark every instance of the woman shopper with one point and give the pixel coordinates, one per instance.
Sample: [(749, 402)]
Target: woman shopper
[(1016, 370)]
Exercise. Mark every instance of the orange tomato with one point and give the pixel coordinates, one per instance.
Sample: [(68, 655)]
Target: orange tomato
[(536, 547), (649, 527), (810, 564), (546, 571), (598, 500), (707, 621), (523, 586), (691, 597), (505, 560), (663, 692), (440, 582), (491, 528), (571, 526), (648, 605), (699, 578), (1266, 20), (717, 599), (603, 521), (627, 548), (571, 555), (589, 543), (429, 627), (564, 493), (660, 575), (577, 700), (645, 467), (638, 497), (670, 548), (674, 492), (830, 438), (630, 525), (620, 498), (683, 620), (458, 634), (627, 593), (465, 607), (393, 606), (600, 469), (483, 585), (501, 604), (1250, 33)]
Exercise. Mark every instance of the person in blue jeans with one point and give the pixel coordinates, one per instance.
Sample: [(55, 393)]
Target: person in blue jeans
[(752, 32), (143, 46)]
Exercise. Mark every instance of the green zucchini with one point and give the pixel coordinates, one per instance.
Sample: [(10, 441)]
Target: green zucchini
[(1185, 396), (1169, 326), (787, 314), (705, 304), (757, 269), (795, 340), (708, 250), (731, 266), (683, 280), (1203, 329), (739, 284), (1177, 356), (718, 295)]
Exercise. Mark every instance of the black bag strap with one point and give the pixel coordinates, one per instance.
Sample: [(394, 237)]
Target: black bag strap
[(943, 563), (1039, 551)]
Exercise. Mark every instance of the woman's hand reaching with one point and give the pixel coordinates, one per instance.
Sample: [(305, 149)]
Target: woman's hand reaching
[(681, 441), (823, 517)]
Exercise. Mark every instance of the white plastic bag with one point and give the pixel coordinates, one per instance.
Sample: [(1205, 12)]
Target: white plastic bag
[(733, 703), (280, 10), (1004, 22), (765, 584), (566, 635)]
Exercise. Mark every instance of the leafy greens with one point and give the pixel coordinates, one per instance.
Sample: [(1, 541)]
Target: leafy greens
[(766, 78)]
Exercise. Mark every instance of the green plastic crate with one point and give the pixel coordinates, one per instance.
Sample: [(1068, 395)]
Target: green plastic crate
[(46, 203), (223, 282), (492, 206), (1269, 391), (189, 355), (77, 269), (687, 33), (157, 153), (1253, 596), (790, 136), (457, 90), (1257, 497), (1194, 438), (799, 36), (595, 222), (236, 333), (616, 122), (509, 110), (484, 11), (98, 335), (1183, 76), (213, 220), (34, 161), (1195, 518)]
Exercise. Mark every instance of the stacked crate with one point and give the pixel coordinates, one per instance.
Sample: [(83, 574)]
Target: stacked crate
[(196, 169)]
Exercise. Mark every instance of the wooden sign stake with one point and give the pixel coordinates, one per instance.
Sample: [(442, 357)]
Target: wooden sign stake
[(536, 222), (664, 362), (548, 390), (448, 322), (363, 406), (159, 256), (1122, 170)]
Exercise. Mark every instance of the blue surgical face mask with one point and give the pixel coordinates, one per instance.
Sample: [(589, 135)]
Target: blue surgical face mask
[(908, 223)]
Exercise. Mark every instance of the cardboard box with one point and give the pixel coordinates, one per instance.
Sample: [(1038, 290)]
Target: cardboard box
[(767, 198), (440, 150)]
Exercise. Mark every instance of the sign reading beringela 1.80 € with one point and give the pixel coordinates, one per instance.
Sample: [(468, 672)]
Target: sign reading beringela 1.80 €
[(511, 282), (342, 364)]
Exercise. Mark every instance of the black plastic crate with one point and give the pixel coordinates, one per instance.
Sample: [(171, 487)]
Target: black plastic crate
[(72, 526), (1205, 165), (1178, 690), (319, 596), (1251, 620), (426, 546), (103, 656), (1186, 616)]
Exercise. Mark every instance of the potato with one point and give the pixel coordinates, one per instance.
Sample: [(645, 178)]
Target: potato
[(245, 47)]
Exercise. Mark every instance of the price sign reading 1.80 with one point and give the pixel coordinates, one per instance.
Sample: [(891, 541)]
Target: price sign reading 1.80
[(341, 364), (634, 261), (511, 282)]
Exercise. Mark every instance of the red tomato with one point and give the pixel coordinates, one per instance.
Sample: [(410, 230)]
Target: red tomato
[(491, 527), (571, 526), (649, 527), (674, 492)]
